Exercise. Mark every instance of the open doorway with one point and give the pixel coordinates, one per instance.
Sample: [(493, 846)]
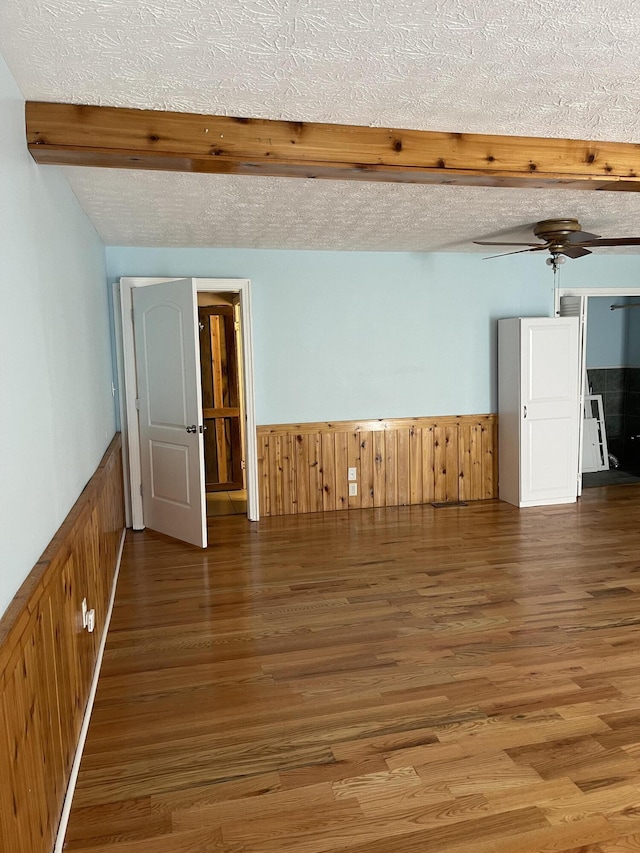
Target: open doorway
[(613, 384), (610, 447), (240, 294), (219, 324)]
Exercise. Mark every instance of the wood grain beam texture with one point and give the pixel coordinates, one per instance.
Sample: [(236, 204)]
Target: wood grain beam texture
[(115, 137)]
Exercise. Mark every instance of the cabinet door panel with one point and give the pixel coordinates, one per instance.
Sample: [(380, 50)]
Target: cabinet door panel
[(549, 412)]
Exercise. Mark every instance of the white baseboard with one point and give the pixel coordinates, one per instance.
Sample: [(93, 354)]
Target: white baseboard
[(73, 778)]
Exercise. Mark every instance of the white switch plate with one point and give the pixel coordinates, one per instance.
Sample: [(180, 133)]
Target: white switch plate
[(353, 489), (353, 474)]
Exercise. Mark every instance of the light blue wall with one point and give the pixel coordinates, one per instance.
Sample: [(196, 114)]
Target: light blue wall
[(606, 333), (601, 270), (56, 409), (349, 335)]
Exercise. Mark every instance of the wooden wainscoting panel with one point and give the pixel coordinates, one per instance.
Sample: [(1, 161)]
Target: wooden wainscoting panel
[(315, 472), (275, 475), (415, 465), (379, 469), (263, 474), (428, 465), (365, 486), (353, 461), (451, 463), (439, 463), (289, 487), (301, 465), (47, 651), (47, 660), (304, 467), (8, 798), (342, 471), (490, 459), (402, 468), (328, 470), (464, 461), (474, 478), (390, 462)]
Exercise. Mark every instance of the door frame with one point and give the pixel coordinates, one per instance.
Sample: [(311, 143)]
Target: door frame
[(592, 291), (128, 386), (614, 293)]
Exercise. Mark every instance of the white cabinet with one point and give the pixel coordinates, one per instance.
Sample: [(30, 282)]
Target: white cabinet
[(538, 403)]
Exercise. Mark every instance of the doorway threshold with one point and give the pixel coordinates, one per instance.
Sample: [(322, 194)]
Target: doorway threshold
[(613, 477)]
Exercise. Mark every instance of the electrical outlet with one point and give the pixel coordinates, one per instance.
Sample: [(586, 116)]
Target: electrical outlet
[(84, 612), (353, 474), (353, 489), (91, 621)]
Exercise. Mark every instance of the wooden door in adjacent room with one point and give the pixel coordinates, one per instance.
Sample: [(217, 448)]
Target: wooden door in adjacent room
[(223, 450)]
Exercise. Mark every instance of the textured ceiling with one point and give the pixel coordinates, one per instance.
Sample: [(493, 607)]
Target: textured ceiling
[(535, 67), (216, 210)]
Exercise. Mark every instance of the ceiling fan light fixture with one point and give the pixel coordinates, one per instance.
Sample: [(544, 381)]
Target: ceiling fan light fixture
[(564, 238)]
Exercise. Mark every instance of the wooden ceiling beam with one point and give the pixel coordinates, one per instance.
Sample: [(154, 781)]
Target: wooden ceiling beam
[(115, 137)]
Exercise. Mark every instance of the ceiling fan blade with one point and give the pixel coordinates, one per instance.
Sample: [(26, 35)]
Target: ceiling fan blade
[(574, 251), (581, 237), (484, 243), (612, 241), (517, 252)]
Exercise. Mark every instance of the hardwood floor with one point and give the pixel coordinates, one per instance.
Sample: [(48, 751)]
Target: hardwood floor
[(405, 680), (227, 503)]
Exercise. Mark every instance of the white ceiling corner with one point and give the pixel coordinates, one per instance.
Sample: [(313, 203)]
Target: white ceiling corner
[(536, 67)]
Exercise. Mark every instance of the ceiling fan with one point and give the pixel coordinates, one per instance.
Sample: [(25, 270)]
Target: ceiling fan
[(563, 238)]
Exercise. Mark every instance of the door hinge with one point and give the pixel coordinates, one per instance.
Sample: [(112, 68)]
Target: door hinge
[(133, 318), (140, 489), (138, 403), (243, 464)]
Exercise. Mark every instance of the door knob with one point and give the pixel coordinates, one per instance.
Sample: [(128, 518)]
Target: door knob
[(192, 428)]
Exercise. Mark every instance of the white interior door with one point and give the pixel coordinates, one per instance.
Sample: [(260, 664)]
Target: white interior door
[(165, 320), (550, 409)]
